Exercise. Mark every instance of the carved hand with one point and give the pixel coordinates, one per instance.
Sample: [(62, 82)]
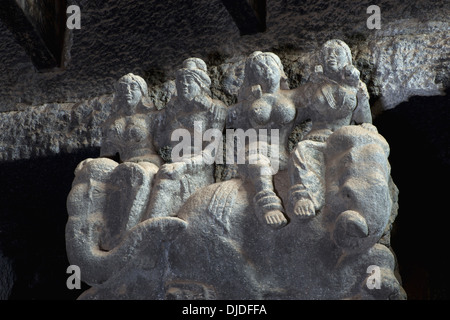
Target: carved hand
[(219, 112), (203, 102), (194, 164), (351, 75)]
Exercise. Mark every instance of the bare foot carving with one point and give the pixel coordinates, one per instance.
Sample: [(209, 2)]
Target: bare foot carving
[(275, 219), (304, 208)]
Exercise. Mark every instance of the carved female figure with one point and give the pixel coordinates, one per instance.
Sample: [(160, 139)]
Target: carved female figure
[(333, 99), (263, 107), (128, 134), (192, 112)]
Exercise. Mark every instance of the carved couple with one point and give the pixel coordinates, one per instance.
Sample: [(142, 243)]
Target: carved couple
[(138, 185), (333, 98)]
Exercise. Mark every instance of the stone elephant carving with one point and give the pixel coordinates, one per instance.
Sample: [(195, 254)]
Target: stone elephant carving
[(217, 248), (105, 229)]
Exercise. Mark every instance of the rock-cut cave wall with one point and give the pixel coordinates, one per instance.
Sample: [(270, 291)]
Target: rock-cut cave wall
[(50, 119)]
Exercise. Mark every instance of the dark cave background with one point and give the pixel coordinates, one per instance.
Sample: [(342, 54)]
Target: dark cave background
[(33, 207), (418, 134)]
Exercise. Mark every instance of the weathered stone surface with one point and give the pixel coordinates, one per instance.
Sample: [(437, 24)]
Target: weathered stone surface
[(414, 67), (310, 224), (388, 84), (408, 56), (153, 38), (187, 116), (53, 128), (220, 245), (424, 24)]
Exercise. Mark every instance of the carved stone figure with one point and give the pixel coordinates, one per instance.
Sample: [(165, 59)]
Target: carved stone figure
[(98, 208), (118, 192), (191, 113), (219, 250), (331, 99), (262, 105), (129, 131), (183, 236)]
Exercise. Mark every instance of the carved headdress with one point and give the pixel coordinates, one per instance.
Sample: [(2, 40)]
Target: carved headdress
[(197, 69)]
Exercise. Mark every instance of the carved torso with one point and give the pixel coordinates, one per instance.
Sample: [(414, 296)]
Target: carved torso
[(129, 130), (333, 106), (273, 111), (131, 137), (186, 117), (327, 104)]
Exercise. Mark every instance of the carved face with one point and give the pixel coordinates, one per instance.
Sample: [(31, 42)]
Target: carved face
[(267, 74), (187, 87), (129, 93), (335, 59)]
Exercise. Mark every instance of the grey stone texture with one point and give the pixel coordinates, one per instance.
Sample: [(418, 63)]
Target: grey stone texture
[(53, 128), (62, 110), (152, 38), (220, 248), (408, 56), (310, 224)]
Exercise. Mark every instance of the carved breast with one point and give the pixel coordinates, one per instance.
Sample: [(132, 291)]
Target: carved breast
[(271, 109), (129, 130), (136, 130), (335, 101)]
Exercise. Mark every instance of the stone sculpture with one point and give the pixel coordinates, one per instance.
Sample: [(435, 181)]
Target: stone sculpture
[(128, 135), (108, 198), (191, 112), (206, 242), (262, 105), (129, 132), (334, 98)]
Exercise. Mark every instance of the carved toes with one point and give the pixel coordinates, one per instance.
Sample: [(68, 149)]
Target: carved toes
[(275, 219), (304, 208)]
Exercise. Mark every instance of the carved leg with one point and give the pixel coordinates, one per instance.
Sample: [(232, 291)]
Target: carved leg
[(307, 174), (265, 200), (164, 197), (128, 198), (269, 204)]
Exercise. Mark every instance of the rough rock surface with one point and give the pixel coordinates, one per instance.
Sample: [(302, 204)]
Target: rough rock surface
[(52, 129), (420, 61), (218, 248), (152, 38), (306, 224), (405, 66)]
